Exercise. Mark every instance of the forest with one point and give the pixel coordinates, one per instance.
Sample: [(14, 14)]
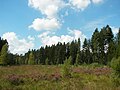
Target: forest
[(101, 48), (93, 65)]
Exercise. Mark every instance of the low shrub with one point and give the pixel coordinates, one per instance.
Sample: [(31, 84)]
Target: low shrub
[(66, 68), (15, 80), (115, 64), (94, 65)]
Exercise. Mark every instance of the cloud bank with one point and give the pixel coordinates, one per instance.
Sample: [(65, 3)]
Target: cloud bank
[(47, 39), (16, 45)]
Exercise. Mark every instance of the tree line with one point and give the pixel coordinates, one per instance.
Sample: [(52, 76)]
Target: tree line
[(100, 48)]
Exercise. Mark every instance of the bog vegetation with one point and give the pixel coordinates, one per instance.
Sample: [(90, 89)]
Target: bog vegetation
[(69, 66)]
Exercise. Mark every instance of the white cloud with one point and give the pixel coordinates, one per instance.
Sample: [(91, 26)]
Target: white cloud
[(80, 4), (77, 34), (50, 8), (97, 1), (17, 45), (45, 24), (115, 30), (46, 39)]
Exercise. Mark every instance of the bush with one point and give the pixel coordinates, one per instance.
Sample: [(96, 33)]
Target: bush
[(115, 64), (94, 65), (66, 68)]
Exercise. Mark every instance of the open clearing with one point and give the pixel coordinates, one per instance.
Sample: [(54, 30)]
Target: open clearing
[(43, 77)]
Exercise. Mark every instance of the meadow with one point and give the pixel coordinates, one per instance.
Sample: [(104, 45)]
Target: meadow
[(49, 77)]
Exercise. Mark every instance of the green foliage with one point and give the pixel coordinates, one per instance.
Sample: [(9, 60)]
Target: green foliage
[(66, 68), (31, 59), (94, 65), (95, 44), (47, 62), (115, 64), (78, 59), (101, 48), (3, 55)]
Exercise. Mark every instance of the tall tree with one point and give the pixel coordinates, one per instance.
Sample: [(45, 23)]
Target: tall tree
[(73, 51), (102, 43), (10, 58), (4, 54), (110, 45), (118, 44), (2, 42), (95, 45), (110, 52), (78, 57)]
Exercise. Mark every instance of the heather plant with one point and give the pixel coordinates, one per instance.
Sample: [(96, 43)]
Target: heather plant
[(15, 80)]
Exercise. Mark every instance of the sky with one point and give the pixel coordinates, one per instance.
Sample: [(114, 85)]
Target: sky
[(30, 24)]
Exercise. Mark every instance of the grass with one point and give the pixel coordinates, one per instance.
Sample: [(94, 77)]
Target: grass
[(43, 77)]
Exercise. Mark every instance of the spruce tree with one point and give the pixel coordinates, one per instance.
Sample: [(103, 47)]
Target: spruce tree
[(95, 45), (73, 51)]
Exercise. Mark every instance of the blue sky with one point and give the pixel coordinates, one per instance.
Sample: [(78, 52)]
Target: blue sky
[(29, 24)]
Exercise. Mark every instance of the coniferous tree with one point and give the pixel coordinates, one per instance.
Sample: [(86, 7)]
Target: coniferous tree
[(102, 55), (95, 45), (111, 52), (2, 42), (86, 54), (110, 45), (4, 54), (31, 59), (47, 62), (73, 51), (10, 58), (118, 44), (78, 57)]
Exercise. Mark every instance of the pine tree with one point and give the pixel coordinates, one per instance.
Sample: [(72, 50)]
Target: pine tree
[(4, 54), (95, 45), (31, 59)]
